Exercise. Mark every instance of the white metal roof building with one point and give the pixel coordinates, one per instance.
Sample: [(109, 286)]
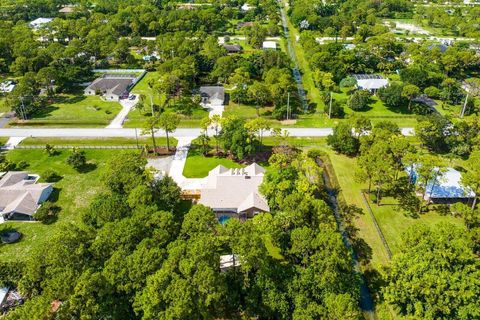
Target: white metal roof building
[(40, 22), (370, 82), (445, 186), (269, 45)]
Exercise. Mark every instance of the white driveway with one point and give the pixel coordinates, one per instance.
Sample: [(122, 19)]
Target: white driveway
[(127, 105), (13, 142), (178, 163)]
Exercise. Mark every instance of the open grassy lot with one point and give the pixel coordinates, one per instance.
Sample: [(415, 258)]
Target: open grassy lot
[(136, 119), (391, 219), (72, 193), (77, 110), (3, 105), (198, 166), (161, 141)]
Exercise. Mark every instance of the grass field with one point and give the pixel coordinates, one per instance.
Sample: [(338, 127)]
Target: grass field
[(198, 166), (136, 119), (390, 217), (3, 105), (74, 111), (72, 193), (161, 141)]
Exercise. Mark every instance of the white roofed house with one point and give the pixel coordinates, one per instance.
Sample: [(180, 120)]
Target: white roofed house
[(269, 45), (21, 196), (370, 82), (40, 23), (234, 192)]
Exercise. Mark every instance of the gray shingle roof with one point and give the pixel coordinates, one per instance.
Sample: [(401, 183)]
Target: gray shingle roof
[(234, 189), (20, 194)]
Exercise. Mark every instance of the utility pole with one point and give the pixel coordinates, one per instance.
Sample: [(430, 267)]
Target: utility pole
[(464, 107), (330, 107), (136, 136), (22, 109), (151, 105), (288, 105)]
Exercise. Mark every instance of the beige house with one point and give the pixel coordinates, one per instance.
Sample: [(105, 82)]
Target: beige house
[(21, 195), (234, 192)]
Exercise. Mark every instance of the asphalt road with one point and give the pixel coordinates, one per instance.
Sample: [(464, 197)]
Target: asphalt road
[(130, 133)]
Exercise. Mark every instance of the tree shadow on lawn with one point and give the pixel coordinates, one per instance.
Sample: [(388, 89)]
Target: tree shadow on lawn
[(44, 112), (55, 194), (88, 167)]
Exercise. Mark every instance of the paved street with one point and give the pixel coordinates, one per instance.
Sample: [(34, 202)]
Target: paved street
[(130, 133)]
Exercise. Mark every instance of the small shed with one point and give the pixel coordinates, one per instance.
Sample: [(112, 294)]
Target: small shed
[(232, 48), (269, 45)]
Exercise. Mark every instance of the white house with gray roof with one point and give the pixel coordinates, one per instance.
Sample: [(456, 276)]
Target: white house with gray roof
[(21, 195), (234, 192), (213, 95), (112, 86)]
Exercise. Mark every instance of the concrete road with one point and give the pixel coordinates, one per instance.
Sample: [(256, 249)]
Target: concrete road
[(130, 133)]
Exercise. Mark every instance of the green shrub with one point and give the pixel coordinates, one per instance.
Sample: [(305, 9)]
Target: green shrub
[(51, 176), (47, 213), (22, 165), (77, 159)]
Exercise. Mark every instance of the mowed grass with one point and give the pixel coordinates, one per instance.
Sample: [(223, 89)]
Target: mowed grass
[(72, 193), (136, 118), (3, 105), (142, 141), (198, 166), (391, 219), (74, 111)]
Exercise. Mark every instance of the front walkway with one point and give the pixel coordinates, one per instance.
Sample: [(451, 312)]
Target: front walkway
[(178, 163)]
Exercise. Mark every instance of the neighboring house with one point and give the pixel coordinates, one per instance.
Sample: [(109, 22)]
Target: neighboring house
[(246, 7), (269, 45), (241, 25), (446, 187), (228, 261), (68, 9), (40, 23), (213, 95), (232, 48), (234, 192), (427, 101), (21, 196), (7, 86), (370, 82), (440, 47), (112, 87)]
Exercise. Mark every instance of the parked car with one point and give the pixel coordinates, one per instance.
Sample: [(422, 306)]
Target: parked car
[(132, 97)]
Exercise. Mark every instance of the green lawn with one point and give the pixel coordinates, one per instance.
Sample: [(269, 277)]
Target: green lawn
[(136, 119), (73, 193), (161, 141), (74, 111), (390, 217), (198, 166), (3, 105)]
